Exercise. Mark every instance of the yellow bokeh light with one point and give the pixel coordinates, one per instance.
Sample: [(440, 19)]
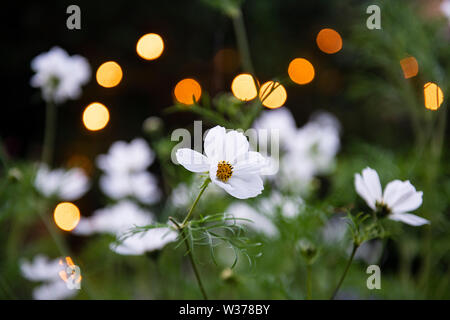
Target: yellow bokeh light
[(109, 74), (244, 87), (187, 91), (272, 94), (301, 71), (150, 46), (66, 216), (95, 116), (433, 96), (329, 41), (410, 67)]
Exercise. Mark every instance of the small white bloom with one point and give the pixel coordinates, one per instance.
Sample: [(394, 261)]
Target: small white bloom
[(280, 119), (54, 290), (114, 219), (125, 167), (151, 240), (398, 199), (228, 161), (123, 157), (69, 184), (289, 207), (59, 75), (445, 8), (258, 222), (42, 269)]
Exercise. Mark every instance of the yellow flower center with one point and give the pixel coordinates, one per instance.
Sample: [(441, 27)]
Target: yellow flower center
[(224, 171)]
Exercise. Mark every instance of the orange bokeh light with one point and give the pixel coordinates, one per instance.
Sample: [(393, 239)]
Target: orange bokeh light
[(109, 74), (66, 216), (187, 91), (244, 87), (301, 71), (410, 67), (272, 94), (433, 96), (95, 116), (329, 41), (150, 46)]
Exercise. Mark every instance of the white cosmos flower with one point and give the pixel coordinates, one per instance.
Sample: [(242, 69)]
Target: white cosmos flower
[(42, 269), (69, 184), (114, 219), (258, 222), (59, 75), (228, 161), (445, 8), (151, 240), (125, 175), (398, 198)]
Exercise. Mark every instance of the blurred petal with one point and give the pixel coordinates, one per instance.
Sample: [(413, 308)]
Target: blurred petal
[(409, 218)]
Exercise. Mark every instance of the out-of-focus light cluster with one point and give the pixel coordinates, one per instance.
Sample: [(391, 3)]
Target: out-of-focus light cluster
[(71, 267), (433, 96), (109, 74), (95, 116), (187, 91), (244, 87), (301, 71), (150, 46), (329, 41), (410, 67), (272, 94), (66, 216)]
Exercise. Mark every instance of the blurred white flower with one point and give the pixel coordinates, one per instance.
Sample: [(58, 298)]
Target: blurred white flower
[(445, 8), (59, 75), (228, 161), (184, 193), (288, 207), (42, 269), (369, 251), (280, 119), (125, 167), (114, 219), (151, 240), (398, 199), (54, 290), (69, 184), (125, 158), (258, 223)]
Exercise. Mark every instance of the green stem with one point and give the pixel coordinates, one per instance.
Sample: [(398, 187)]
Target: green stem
[(49, 135), (202, 189), (241, 37), (308, 282), (355, 247), (184, 234)]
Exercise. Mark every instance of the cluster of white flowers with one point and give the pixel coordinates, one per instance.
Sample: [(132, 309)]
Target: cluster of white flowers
[(125, 175), (307, 151), (59, 75), (64, 184), (44, 270)]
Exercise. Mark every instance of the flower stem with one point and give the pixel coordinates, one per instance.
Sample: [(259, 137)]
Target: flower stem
[(202, 189), (241, 37), (308, 282), (355, 247), (49, 135), (184, 234)]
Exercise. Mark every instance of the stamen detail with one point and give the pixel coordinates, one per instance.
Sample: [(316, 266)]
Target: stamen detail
[(224, 171)]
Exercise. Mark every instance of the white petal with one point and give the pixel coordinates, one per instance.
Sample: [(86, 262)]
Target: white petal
[(192, 160), (409, 218), (258, 222), (372, 182), (241, 187), (404, 197), (215, 142), (249, 163), (236, 144), (361, 189)]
